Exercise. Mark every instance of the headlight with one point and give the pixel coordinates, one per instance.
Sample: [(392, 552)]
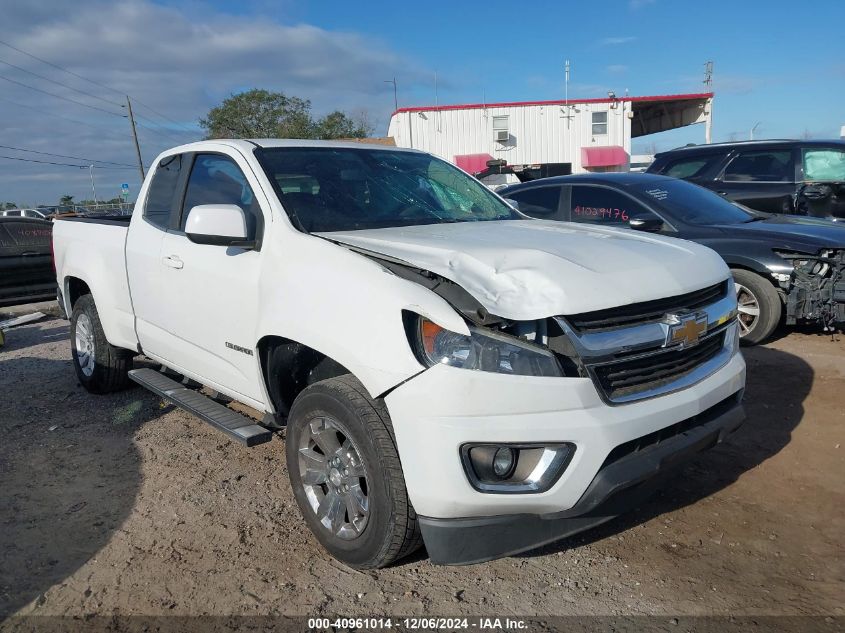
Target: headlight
[(482, 350)]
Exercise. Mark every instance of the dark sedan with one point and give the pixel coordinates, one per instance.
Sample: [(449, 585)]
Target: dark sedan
[(26, 263), (783, 266)]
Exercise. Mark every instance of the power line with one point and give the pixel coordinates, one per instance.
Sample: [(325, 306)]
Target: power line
[(47, 162), (90, 160), (164, 129), (59, 83), (52, 94), (155, 131), (184, 127), (70, 72), (96, 83), (59, 116)]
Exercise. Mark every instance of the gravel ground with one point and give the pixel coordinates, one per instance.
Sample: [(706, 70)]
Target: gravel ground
[(122, 504)]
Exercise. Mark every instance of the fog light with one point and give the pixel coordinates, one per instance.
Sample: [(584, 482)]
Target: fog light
[(503, 462), (515, 468)]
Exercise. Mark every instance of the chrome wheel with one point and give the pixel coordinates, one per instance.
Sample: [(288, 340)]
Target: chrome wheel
[(84, 339), (748, 307), (334, 478)]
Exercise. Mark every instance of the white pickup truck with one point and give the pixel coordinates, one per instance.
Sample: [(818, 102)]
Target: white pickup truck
[(448, 371)]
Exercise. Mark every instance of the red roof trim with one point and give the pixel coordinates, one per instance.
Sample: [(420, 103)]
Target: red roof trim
[(517, 104)]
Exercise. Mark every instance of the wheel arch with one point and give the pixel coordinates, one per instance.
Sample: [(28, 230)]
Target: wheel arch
[(73, 289), (753, 267), (288, 367)]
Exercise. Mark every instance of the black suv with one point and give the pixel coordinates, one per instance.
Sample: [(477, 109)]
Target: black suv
[(799, 177)]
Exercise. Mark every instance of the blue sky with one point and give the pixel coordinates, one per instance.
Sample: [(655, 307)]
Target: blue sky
[(777, 63)]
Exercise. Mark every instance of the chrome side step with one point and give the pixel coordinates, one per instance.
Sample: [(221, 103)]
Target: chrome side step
[(233, 424)]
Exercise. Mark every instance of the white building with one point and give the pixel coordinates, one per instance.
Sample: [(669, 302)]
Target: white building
[(544, 138)]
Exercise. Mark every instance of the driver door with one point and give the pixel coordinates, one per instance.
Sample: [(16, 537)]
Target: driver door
[(210, 294)]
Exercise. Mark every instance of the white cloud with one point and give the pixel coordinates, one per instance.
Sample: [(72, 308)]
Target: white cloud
[(616, 41), (180, 65), (616, 69)]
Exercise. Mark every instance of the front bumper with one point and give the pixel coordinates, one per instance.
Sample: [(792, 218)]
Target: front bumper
[(618, 487), (441, 409)]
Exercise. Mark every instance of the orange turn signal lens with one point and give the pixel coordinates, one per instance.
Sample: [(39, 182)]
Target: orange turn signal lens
[(428, 332)]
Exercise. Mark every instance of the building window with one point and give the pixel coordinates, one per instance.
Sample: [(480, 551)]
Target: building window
[(500, 129), (599, 123), (500, 123)]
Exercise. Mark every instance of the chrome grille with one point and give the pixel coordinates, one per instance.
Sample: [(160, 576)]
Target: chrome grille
[(646, 311), (629, 351), (630, 376)]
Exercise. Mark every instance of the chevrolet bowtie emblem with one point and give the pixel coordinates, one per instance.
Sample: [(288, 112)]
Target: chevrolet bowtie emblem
[(685, 330)]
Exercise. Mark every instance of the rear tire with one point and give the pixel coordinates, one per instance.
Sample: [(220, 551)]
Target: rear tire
[(345, 473), (760, 307), (100, 366)]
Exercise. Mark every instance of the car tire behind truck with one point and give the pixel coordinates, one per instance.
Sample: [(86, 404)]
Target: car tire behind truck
[(345, 473), (756, 294), (100, 367)]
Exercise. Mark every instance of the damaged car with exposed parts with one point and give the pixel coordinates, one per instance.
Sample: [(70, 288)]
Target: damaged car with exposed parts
[(447, 371), (786, 269)]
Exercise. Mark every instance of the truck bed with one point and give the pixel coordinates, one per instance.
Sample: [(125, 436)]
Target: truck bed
[(93, 249)]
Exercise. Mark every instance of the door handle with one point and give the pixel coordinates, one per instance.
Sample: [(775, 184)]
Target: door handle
[(172, 261)]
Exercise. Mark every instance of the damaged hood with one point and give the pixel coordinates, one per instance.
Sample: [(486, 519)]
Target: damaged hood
[(533, 269)]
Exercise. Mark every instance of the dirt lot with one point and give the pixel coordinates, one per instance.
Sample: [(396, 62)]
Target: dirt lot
[(122, 505)]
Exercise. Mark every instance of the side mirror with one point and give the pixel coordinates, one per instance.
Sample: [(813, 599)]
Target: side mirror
[(218, 225), (513, 203), (652, 225)]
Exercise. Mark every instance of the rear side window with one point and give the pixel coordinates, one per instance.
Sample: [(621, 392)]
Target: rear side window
[(689, 167), (600, 205), (765, 166), (161, 197), (216, 179), (824, 164), (541, 202)]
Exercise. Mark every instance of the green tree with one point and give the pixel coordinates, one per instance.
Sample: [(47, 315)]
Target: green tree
[(340, 125), (66, 200), (260, 113), (7, 205)]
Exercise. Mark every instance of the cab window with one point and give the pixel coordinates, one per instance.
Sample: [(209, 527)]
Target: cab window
[(162, 198), (608, 207), (540, 202), (216, 179)]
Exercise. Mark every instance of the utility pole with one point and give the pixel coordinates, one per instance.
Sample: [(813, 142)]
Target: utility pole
[(93, 190), (708, 113), (751, 134), (135, 138), (395, 98)]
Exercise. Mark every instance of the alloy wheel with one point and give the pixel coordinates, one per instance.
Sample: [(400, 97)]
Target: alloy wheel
[(84, 339), (334, 478), (748, 307)]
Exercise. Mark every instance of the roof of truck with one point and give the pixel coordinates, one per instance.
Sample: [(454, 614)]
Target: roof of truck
[(248, 144)]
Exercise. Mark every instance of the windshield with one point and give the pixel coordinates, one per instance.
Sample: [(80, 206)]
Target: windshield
[(692, 204), (348, 189)]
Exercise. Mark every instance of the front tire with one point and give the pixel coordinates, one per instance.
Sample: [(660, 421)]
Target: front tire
[(759, 306), (100, 367), (345, 473)]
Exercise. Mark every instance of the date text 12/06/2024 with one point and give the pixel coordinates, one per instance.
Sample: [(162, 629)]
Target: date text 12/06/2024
[(418, 623)]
